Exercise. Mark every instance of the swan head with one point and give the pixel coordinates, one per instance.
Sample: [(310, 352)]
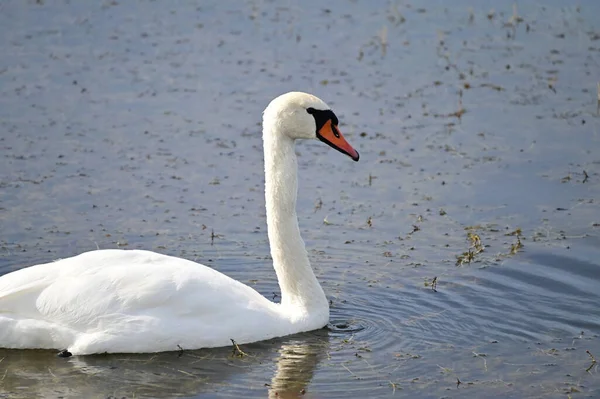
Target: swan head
[(300, 115)]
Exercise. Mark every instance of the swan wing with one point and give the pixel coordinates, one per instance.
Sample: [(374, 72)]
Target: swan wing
[(126, 301)]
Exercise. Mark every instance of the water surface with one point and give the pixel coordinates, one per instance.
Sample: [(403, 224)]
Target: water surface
[(137, 125)]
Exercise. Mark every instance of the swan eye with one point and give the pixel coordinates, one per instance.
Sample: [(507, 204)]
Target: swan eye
[(334, 119), (322, 117)]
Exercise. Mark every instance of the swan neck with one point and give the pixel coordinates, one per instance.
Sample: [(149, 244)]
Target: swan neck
[(299, 286)]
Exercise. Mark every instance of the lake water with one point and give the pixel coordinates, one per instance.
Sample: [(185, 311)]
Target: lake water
[(136, 124)]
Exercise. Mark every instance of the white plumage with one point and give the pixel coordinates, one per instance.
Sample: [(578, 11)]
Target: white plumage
[(129, 301)]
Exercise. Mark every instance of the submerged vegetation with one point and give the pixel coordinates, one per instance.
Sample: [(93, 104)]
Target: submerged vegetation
[(476, 246)]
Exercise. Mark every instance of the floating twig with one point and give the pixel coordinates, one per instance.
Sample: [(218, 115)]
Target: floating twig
[(347, 369), (236, 350), (598, 107), (394, 385), (186, 373), (492, 86), (318, 205), (516, 232), (593, 361), (415, 229), (383, 40), (514, 248), (371, 177)]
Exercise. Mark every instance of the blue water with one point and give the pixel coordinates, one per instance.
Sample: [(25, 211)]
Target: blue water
[(137, 125)]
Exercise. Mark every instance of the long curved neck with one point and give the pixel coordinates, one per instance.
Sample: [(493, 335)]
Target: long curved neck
[(299, 286)]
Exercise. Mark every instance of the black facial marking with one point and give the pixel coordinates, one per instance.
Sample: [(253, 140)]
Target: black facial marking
[(321, 118)]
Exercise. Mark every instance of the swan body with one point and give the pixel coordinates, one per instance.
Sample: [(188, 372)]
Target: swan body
[(134, 301)]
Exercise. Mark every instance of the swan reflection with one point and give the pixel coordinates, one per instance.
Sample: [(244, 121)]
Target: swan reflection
[(295, 368), (41, 374)]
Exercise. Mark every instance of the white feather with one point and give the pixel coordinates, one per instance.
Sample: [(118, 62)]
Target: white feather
[(140, 301)]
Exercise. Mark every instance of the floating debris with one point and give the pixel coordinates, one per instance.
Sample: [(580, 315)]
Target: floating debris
[(516, 232), (492, 86), (432, 284), (598, 104), (514, 248), (319, 204), (593, 361), (475, 249), (213, 236), (237, 351)]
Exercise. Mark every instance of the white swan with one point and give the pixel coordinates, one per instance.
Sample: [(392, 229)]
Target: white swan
[(121, 301)]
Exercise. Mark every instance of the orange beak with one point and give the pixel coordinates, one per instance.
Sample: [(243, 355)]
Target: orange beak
[(331, 135)]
